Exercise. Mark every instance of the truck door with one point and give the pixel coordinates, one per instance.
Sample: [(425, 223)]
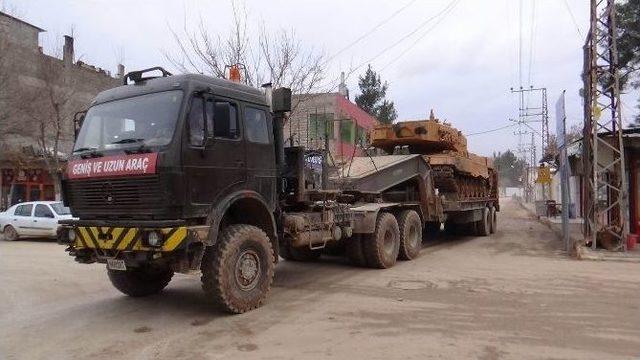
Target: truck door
[(214, 157), (261, 158)]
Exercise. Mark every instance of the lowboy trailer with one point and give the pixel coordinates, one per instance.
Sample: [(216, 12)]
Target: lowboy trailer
[(189, 173)]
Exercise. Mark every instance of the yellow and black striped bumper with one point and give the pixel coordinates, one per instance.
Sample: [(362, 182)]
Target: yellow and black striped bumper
[(127, 239)]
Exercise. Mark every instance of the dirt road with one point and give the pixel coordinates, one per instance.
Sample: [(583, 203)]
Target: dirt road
[(510, 296)]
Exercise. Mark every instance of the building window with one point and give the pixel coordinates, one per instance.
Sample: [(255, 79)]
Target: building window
[(319, 125), (347, 131), (362, 135)]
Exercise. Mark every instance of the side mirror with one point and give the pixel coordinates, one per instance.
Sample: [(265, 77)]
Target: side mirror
[(50, 215), (78, 119)]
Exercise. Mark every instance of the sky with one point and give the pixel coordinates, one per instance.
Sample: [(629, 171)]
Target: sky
[(458, 57)]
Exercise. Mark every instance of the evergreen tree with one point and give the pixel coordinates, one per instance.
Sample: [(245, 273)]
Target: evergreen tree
[(372, 98), (628, 24)]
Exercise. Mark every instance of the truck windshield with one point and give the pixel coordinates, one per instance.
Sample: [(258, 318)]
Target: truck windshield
[(140, 120)]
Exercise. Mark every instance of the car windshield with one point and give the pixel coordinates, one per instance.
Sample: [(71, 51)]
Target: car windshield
[(60, 209), (141, 120)]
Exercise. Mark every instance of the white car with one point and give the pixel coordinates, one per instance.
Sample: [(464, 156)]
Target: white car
[(33, 219)]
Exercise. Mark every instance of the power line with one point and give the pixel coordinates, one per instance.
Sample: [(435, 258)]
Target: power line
[(422, 36), (573, 18), (371, 31), (492, 130), (420, 26)]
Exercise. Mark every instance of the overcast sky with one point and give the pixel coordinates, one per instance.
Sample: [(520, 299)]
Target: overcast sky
[(461, 63)]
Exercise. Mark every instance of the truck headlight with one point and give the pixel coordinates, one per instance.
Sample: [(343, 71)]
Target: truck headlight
[(154, 238)]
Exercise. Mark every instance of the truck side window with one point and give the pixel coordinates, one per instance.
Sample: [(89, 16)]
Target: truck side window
[(255, 125), (225, 119), (196, 122)]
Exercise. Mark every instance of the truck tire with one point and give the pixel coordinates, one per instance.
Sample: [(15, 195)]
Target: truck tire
[(142, 281), (483, 226), (493, 219), (355, 251), (10, 234), (381, 248), (291, 253), (410, 227), (237, 271)]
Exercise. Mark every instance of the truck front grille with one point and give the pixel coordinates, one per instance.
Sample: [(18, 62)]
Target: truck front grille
[(135, 196)]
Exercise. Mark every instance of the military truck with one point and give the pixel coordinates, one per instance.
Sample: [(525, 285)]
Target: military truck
[(189, 173)]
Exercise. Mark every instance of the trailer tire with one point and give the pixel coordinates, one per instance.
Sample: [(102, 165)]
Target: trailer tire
[(483, 226), (355, 251), (493, 219), (142, 281), (237, 271), (290, 253), (381, 248), (410, 226)]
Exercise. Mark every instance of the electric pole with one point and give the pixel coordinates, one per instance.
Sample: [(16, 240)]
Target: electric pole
[(603, 152)]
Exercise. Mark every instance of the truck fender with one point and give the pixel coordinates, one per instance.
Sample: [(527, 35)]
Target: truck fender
[(255, 212), (366, 216)]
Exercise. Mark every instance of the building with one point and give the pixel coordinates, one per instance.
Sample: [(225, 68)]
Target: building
[(316, 116), (577, 178), (39, 96)]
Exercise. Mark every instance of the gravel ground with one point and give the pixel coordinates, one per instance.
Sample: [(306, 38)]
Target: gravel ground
[(509, 296)]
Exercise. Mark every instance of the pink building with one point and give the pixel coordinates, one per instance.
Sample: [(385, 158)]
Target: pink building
[(315, 116)]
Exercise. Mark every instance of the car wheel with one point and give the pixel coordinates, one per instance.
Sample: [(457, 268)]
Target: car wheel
[(10, 233)]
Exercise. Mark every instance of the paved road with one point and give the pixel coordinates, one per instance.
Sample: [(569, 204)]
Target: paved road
[(510, 296)]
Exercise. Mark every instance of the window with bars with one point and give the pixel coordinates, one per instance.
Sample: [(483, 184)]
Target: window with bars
[(347, 131), (319, 125)]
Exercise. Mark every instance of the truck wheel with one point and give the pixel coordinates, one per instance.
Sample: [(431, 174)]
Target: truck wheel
[(493, 220), (410, 227), (381, 248), (291, 253), (10, 234), (483, 225), (355, 251), (237, 271), (142, 281)]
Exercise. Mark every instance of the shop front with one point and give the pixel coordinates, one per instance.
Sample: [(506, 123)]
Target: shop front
[(20, 185)]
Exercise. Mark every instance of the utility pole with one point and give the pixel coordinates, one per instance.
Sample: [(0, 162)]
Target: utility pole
[(606, 182), (527, 114), (523, 153)]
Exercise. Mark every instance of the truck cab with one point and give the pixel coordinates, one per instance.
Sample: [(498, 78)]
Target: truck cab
[(160, 165)]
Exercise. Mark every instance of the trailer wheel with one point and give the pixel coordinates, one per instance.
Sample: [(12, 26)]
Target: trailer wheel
[(237, 271), (410, 227), (381, 248), (290, 253), (142, 281), (483, 226), (355, 251), (493, 220)]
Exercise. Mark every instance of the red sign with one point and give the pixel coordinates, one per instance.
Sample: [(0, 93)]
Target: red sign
[(118, 165)]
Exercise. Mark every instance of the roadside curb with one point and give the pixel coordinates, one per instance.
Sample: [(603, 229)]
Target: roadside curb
[(583, 252)]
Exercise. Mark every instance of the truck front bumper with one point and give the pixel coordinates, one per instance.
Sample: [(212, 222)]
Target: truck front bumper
[(130, 236)]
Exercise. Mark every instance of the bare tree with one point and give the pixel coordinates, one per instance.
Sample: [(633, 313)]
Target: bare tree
[(48, 106), (278, 58)]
